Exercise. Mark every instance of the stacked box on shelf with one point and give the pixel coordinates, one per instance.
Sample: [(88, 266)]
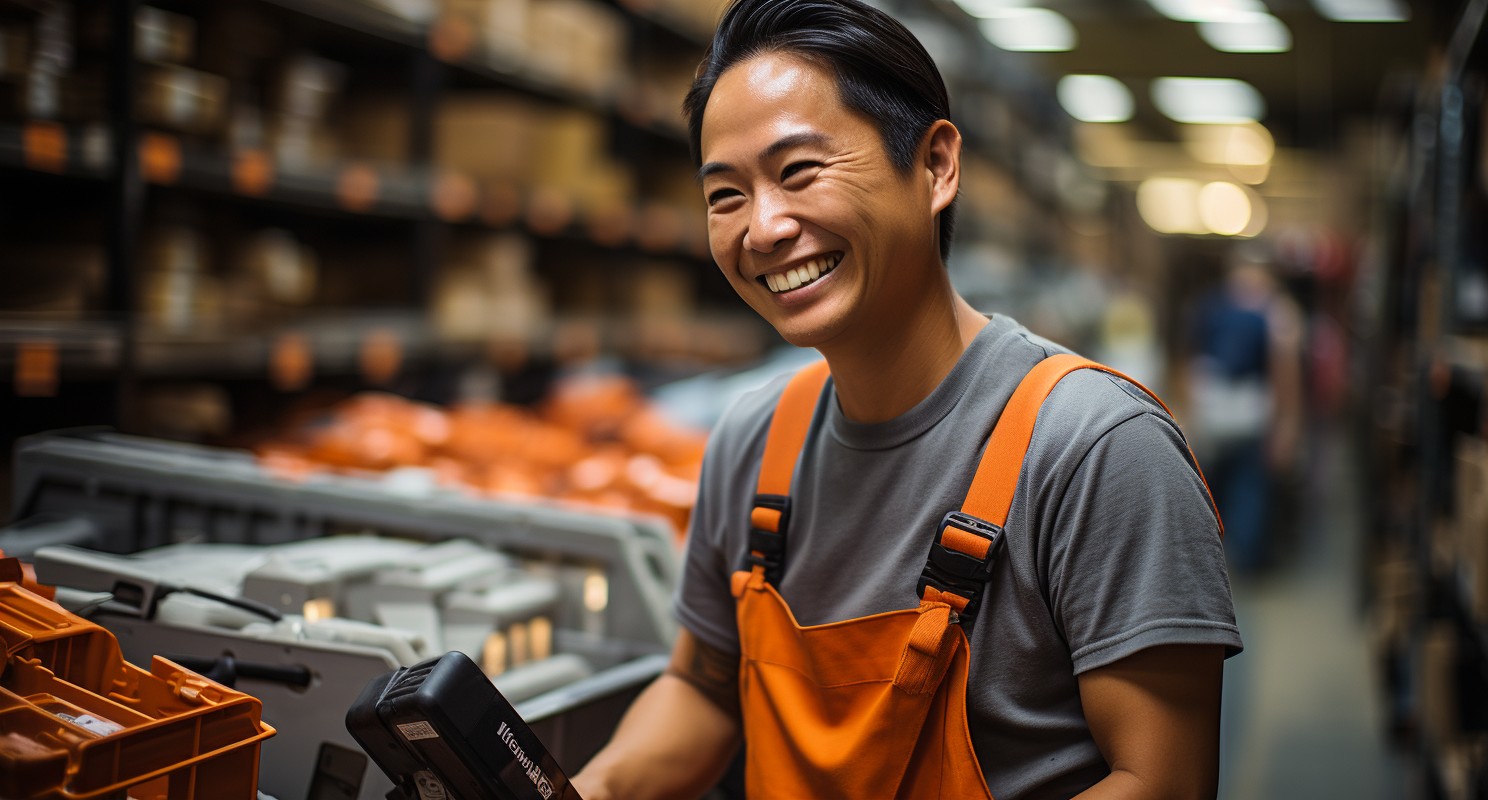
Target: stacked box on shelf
[(1471, 525), (79, 722)]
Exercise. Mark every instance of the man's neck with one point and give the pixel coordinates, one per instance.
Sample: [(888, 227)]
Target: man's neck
[(898, 366)]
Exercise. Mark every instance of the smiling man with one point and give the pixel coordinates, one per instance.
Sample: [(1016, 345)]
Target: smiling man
[(896, 584)]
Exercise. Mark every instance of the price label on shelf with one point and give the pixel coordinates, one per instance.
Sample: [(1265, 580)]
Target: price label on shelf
[(291, 362), (36, 368), (451, 38), (252, 172), (381, 357), (44, 145), (549, 210), (160, 158), (356, 189), (453, 196), (501, 205)]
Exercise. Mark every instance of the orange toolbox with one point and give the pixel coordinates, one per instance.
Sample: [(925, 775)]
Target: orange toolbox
[(79, 722)]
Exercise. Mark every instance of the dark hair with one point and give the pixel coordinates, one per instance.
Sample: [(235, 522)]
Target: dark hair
[(882, 70)]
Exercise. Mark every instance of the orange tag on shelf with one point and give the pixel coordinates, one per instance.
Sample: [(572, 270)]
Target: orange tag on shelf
[(160, 158), (453, 196), (357, 187), (501, 205), (549, 211), (36, 368), (291, 362), (45, 146), (381, 357), (451, 38), (252, 172)]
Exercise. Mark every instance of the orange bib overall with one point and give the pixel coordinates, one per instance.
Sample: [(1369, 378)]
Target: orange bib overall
[(873, 707)]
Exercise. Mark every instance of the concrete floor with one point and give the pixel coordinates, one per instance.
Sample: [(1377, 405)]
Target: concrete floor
[(1303, 714)]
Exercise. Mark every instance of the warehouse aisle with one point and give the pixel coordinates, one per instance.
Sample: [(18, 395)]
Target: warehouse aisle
[(1302, 709)]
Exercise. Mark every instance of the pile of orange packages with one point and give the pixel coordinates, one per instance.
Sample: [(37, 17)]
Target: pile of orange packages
[(595, 441)]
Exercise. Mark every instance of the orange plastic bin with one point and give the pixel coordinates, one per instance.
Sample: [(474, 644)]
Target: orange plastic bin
[(77, 721)]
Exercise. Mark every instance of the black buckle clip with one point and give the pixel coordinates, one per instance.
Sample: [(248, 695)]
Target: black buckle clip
[(956, 572), (767, 548)]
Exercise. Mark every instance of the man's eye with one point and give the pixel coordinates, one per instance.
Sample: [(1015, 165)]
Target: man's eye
[(721, 194), (796, 168)]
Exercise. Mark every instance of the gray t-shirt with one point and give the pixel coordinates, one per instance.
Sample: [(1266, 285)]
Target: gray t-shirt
[(1112, 546)]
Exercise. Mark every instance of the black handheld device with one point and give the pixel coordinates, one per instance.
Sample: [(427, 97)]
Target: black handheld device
[(442, 731)]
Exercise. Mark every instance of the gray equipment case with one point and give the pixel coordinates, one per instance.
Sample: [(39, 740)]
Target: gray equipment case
[(117, 494)]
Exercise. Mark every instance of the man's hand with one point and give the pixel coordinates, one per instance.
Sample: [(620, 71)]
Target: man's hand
[(678, 736), (1155, 718)]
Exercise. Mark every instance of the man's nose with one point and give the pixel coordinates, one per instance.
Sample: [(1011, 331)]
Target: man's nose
[(770, 223)]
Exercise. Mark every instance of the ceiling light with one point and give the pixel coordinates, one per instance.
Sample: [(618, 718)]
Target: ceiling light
[(1206, 10), (1248, 145), (1095, 98), (1170, 205), (1208, 100), (986, 8), (1247, 33), (1363, 10), (1224, 208), (1036, 30)]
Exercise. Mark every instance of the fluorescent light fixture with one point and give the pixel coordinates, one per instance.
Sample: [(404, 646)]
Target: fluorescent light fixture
[(1170, 205), (1224, 208), (1248, 145), (1363, 10), (1208, 100), (1247, 33), (1095, 98), (1028, 30), (1185, 206), (986, 8), (1206, 10)]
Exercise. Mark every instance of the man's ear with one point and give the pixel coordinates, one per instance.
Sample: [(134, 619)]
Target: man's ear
[(942, 163)]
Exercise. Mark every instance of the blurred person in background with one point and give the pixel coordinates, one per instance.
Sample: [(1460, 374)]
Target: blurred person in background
[(845, 614), (1245, 385)]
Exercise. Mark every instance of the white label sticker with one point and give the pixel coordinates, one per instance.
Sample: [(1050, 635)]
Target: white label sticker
[(429, 787), (102, 727), (413, 731)]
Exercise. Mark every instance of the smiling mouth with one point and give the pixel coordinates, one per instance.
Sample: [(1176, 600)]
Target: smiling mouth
[(810, 272)]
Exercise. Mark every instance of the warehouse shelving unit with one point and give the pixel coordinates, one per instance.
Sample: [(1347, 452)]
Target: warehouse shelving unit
[(1426, 424), (409, 205)]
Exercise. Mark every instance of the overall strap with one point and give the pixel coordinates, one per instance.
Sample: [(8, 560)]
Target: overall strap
[(770, 514), (961, 556)]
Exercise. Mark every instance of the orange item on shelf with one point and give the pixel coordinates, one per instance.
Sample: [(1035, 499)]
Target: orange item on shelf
[(594, 441), (78, 722)]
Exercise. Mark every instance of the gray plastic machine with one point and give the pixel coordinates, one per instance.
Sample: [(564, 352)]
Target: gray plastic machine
[(301, 592)]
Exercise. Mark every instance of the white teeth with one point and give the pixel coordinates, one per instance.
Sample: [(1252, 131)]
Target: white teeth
[(800, 276)]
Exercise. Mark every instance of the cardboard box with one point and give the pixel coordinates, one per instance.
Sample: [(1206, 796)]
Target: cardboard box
[(1470, 521), (487, 292), (489, 135), (182, 99), (163, 37), (579, 42), (500, 26), (15, 51), (373, 127), (59, 279)]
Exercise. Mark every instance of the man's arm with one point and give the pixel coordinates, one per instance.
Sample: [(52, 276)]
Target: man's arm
[(678, 736), (1155, 718)]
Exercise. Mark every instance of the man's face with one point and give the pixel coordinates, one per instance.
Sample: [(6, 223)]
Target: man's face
[(808, 219)]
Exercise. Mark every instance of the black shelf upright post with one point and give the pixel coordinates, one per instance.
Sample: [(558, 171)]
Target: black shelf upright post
[(427, 79), (127, 196)]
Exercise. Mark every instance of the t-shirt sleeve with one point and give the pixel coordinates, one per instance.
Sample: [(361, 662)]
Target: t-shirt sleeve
[(1135, 555), (704, 602)]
